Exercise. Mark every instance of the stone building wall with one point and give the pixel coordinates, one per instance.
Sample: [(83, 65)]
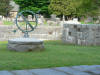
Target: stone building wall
[(81, 34), (41, 32)]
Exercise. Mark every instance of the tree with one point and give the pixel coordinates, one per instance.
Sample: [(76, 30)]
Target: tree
[(34, 5), (74, 7), (62, 7), (5, 7), (87, 7)]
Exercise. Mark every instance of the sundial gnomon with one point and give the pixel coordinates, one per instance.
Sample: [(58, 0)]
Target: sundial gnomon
[(25, 25)]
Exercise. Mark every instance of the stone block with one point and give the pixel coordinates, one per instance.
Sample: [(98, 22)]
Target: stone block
[(25, 44), (6, 73), (47, 72), (22, 72), (71, 71)]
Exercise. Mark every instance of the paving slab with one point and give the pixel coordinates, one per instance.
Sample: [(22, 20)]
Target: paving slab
[(6, 73), (86, 67), (47, 72), (96, 72), (22, 72), (81, 68), (74, 70), (71, 71), (96, 66)]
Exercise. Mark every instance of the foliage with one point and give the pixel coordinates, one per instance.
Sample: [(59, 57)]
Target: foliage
[(34, 5), (62, 7), (74, 7), (87, 7), (5, 7), (56, 54)]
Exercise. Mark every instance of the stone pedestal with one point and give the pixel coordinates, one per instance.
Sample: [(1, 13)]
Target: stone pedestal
[(25, 44)]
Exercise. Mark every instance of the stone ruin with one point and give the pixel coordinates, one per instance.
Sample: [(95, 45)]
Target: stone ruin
[(74, 21), (54, 21), (81, 34)]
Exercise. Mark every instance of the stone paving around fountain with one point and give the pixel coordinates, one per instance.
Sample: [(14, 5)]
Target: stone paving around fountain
[(74, 70)]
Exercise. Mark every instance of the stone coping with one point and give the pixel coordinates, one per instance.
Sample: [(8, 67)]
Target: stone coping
[(25, 41), (82, 24)]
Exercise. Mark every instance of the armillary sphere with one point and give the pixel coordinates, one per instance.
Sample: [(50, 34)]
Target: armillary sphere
[(24, 24)]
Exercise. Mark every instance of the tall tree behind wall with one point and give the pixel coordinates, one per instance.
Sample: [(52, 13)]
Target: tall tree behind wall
[(34, 5), (87, 7), (62, 7), (75, 7), (5, 7)]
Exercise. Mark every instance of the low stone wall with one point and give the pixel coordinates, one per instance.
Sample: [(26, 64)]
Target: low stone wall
[(81, 34), (41, 32)]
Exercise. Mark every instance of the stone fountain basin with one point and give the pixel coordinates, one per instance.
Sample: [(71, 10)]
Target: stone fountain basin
[(25, 44)]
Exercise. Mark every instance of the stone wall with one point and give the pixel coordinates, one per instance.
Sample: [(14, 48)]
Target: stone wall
[(81, 34), (41, 32)]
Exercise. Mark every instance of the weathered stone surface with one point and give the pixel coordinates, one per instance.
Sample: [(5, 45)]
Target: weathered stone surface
[(22, 72), (41, 32), (81, 34), (71, 71), (86, 67), (74, 70), (25, 44), (82, 68), (5, 73), (47, 72), (97, 72)]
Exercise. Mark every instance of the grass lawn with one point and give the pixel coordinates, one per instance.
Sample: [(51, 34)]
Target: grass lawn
[(82, 22), (21, 23), (8, 23), (56, 54)]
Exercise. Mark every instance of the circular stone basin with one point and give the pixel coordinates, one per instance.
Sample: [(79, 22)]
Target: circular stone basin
[(25, 44)]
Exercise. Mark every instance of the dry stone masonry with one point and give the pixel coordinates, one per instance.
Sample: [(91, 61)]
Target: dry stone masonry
[(81, 34), (41, 32)]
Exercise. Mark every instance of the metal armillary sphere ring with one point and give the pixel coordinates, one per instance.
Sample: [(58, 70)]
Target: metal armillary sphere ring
[(28, 24)]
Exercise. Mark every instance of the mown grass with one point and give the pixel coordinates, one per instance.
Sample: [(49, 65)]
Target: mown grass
[(8, 23), (82, 22), (20, 23), (56, 54)]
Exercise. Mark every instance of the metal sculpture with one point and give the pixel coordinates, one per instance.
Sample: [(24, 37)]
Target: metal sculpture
[(28, 24)]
